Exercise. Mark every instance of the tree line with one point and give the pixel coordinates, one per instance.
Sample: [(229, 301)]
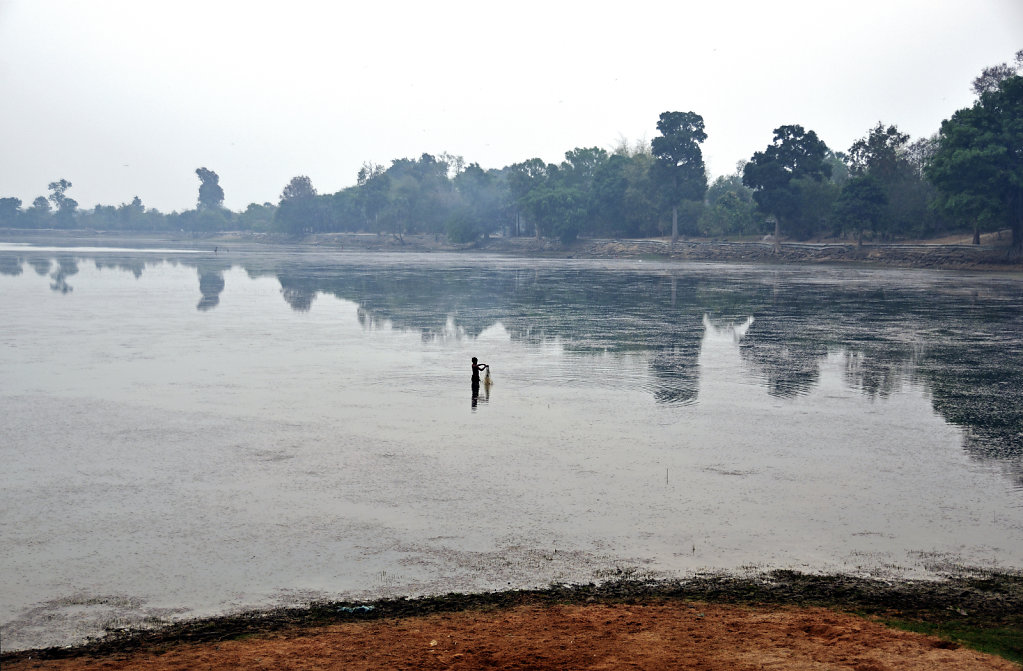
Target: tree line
[(967, 176)]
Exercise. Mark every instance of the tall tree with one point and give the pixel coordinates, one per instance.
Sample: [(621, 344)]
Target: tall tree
[(211, 196), (66, 206), (299, 209), (885, 156), (57, 193), (882, 153), (298, 187), (578, 173), (775, 174), (978, 165), (680, 160)]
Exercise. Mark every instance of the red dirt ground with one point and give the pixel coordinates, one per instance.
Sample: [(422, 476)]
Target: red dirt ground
[(656, 636)]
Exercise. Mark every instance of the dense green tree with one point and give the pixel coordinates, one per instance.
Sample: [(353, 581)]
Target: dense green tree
[(131, 216), (66, 215), (257, 217), (645, 216), (884, 156), (816, 207), (10, 211), (419, 197), (861, 205), (298, 187), (475, 202), (462, 227), (581, 166), (346, 210), (610, 186), (399, 216), (882, 153), (38, 215), (557, 210), (523, 179), (776, 174), (481, 204), (560, 201), (299, 210), (978, 166), (205, 220), (628, 198), (211, 195), (373, 198), (102, 217), (730, 208), (679, 163), (899, 166)]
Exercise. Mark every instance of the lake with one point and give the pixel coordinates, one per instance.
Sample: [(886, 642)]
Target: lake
[(186, 432)]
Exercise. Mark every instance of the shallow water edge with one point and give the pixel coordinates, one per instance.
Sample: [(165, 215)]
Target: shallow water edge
[(935, 255)]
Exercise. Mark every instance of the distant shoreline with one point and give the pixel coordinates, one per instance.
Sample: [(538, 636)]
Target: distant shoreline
[(992, 256)]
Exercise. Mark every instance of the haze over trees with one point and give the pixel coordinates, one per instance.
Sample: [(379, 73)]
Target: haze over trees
[(968, 176)]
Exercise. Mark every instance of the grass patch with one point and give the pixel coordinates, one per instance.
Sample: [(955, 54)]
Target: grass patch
[(1005, 642)]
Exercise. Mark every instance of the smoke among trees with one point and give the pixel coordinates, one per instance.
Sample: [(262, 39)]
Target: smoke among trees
[(967, 176)]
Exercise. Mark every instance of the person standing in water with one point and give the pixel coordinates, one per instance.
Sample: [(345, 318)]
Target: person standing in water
[(476, 368)]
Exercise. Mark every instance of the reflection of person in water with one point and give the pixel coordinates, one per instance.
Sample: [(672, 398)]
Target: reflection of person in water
[(476, 368)]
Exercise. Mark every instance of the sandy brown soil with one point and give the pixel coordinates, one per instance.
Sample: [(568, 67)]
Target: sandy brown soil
[(598, 636)]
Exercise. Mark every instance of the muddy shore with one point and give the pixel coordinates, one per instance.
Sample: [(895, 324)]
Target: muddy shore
[(994, 255), (974, 600), (951, 253)]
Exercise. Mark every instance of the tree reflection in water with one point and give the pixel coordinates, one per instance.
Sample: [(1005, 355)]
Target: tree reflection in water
[(961, 338)]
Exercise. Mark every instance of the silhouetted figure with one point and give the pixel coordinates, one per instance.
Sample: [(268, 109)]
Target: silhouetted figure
[(476, 368)]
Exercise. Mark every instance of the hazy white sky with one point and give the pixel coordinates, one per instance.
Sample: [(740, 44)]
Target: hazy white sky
[(127, 98)]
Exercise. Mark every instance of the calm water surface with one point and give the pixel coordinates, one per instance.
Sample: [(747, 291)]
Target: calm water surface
[(186, 433)]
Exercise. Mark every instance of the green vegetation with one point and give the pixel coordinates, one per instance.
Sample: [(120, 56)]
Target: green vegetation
[(968, 176), (1005, 642), (784, 177), (978, 163), (679, 165)]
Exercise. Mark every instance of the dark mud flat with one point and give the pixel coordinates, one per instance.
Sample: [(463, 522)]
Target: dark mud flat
[(979, 601)]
